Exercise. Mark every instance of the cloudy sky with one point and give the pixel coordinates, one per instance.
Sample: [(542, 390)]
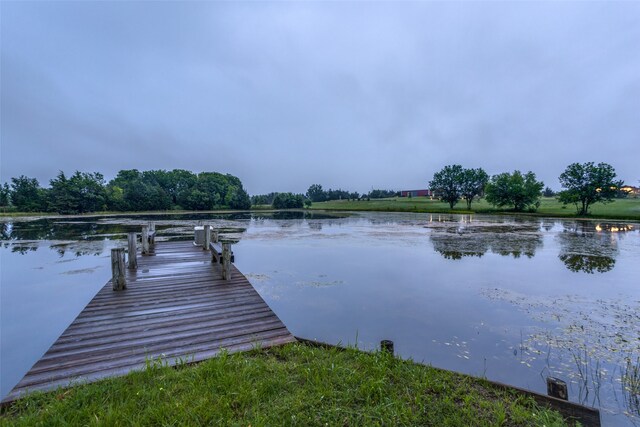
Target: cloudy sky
[(357, 95)]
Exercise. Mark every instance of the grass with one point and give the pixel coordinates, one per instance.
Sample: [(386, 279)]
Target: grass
[(290, 385), (622, 209), (625, 209)]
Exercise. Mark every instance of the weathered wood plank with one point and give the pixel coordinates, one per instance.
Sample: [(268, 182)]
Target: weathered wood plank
[(176, 306)]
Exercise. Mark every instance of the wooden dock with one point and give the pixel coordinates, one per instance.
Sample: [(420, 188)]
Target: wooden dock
[(176, 307)]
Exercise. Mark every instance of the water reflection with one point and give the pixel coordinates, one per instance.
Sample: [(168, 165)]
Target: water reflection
[(117, 227), (474, 239), (23, 249), (587, 263), (590, 247)]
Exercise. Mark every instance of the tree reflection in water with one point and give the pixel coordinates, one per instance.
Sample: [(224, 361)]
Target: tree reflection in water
[(587, 263), (467, 239), (590, 247)]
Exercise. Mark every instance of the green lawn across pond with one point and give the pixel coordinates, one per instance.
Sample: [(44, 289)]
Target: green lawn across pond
[(291, 385), (626, 209)]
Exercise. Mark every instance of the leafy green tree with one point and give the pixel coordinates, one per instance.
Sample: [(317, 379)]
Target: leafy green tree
[(83, 192), (338, 194), (26, 194), (60, 198), (382, 194), (587, 184), (288, 201), (446, 184), (5, 198), (239, 199), (548, 192), (263, 199), (115, 198), (516, 190), (201, 200), (316, 193), (472, 184), (307, 203), (180, 182)]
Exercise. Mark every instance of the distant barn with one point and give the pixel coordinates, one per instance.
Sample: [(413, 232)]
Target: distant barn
[(415, 193)]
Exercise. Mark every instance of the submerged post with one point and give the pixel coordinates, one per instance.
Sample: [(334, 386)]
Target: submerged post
[(133, 260), (226, 261), (145, 239), (557, 388), (207, 237), (117, 269), (386, 346)]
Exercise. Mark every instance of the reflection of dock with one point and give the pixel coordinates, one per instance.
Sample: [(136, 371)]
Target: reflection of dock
[(176, 307)]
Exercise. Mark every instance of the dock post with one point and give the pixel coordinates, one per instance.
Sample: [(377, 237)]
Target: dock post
[(207, 237), (145, 240), (386, 346), (133, 260), (557, 388), (226, 261), (152, 233), (214, 236), (117, 269)]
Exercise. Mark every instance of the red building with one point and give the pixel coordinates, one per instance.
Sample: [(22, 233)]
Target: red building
[(415, 193)]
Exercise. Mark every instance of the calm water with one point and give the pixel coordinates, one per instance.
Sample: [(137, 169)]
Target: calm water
[(512, 299)]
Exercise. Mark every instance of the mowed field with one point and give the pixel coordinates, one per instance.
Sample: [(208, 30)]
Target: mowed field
[(628, 209)]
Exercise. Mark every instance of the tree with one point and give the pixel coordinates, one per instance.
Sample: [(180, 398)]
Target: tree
[(587, 184), (83, 192), (239, 199), (316, 193), (307, 203), (5, 193), (26, 194), (263, 199), (516, 190), (548, 192), (288, 201), (447, 184), (473, 183)]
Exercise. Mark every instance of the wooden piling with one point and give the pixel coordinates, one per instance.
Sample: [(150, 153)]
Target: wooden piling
[(207, 237), (226, 261), (214, 236), (145, 240), (117, 269), (386, 346), (133, 259), (152, 233), (557, 388)]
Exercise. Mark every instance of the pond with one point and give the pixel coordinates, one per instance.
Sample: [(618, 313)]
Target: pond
[(513, 299)]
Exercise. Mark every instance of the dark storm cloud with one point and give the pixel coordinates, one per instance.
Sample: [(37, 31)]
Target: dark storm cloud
[(344, 94)]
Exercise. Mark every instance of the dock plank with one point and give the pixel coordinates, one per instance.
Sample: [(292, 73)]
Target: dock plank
[(176, 307)]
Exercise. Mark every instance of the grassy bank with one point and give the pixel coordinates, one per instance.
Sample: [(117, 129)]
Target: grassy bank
[(625, 209), (622, 209), (290, 385)]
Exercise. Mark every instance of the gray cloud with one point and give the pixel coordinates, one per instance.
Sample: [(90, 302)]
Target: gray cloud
[(344, 94)]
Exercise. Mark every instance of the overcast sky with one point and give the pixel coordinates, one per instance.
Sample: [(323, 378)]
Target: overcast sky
[(357, 95)]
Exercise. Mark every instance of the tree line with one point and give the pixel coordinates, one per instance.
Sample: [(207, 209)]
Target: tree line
[(315, 194), (584, 184), (130, 190), (178, 189)]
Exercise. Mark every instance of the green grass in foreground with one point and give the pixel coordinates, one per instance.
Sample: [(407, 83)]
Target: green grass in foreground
[(291, 385), (550, 207)]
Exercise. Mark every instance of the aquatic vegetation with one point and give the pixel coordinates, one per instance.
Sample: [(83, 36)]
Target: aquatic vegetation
[(630, 380), (585, 341)]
